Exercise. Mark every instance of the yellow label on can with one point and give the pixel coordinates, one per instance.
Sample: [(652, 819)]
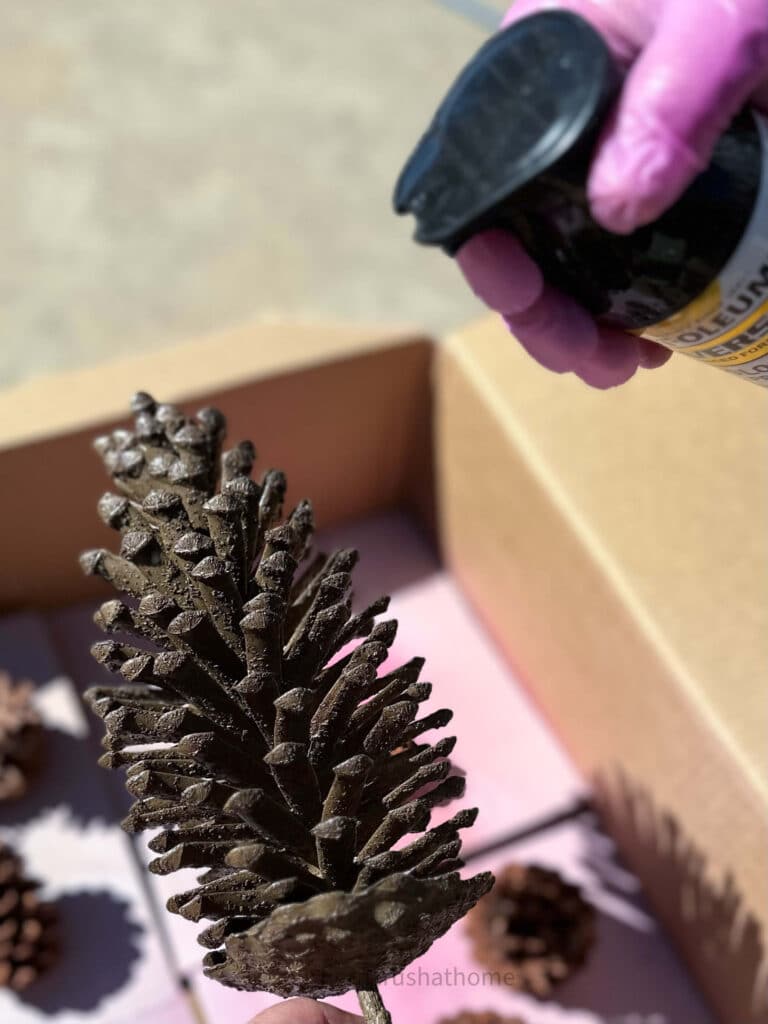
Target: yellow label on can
[(727, 325)]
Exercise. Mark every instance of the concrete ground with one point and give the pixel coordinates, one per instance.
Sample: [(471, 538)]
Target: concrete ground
[(171, 168)]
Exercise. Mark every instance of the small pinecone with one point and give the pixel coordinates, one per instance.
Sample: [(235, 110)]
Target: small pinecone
[(255, 729), (533, 929), (472, 1017), (21, 737), (27, 926)]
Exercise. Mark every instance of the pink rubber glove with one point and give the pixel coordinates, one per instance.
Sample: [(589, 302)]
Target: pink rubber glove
[(692, 65), (305, 1011)]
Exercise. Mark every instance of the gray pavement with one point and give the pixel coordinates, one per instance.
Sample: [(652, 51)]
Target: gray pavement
[(172, 168)]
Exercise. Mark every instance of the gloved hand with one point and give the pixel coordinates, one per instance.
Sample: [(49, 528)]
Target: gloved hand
[(304, 1011), (692, 65)]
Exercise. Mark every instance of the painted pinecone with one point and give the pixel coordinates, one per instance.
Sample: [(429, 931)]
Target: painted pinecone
[(533, 929), (27, 926), (256, 735), (21, 737)]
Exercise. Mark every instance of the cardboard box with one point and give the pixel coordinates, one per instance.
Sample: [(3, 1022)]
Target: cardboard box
[(616, 543), (533, 536), (363, 395)]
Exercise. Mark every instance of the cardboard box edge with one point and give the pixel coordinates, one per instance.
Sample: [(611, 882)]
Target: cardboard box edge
[(51, 404), (50, 513)]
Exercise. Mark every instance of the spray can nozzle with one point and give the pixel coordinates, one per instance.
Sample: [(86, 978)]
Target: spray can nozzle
[(536, 94)]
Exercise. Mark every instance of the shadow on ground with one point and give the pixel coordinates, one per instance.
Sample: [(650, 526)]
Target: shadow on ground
[(99, 947), (721, 939), (68, 777)]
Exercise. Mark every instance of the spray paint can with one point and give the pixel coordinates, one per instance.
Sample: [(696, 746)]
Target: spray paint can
[(510, 147)]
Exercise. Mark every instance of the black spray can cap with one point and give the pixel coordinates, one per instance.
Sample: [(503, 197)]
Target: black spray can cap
[(510, 147), (535, 94)]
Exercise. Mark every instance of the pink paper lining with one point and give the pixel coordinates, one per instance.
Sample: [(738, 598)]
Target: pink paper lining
[(516, 773)]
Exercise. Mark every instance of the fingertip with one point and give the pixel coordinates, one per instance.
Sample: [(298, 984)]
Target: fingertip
[(614, 362), (335, 1016), (500, 272), (603, 378), (555, 331), (305, 1011), (652, 355)]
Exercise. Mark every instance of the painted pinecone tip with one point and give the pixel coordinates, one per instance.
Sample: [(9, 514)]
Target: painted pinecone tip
[(533, 930), (28, 927), (21, 737), (258, 735)]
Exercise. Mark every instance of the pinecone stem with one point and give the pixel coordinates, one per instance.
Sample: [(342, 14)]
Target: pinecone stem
[(374, 1011)]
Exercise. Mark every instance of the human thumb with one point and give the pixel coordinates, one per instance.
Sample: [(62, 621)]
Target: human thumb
[(305, 1011)]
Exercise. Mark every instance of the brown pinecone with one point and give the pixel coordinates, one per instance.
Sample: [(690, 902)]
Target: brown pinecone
[(27, 926), (260, 740), (21, 737), (472, 1017), (533, 929)]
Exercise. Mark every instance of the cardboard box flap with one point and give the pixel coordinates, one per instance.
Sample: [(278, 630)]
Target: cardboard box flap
[(667, 479)]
